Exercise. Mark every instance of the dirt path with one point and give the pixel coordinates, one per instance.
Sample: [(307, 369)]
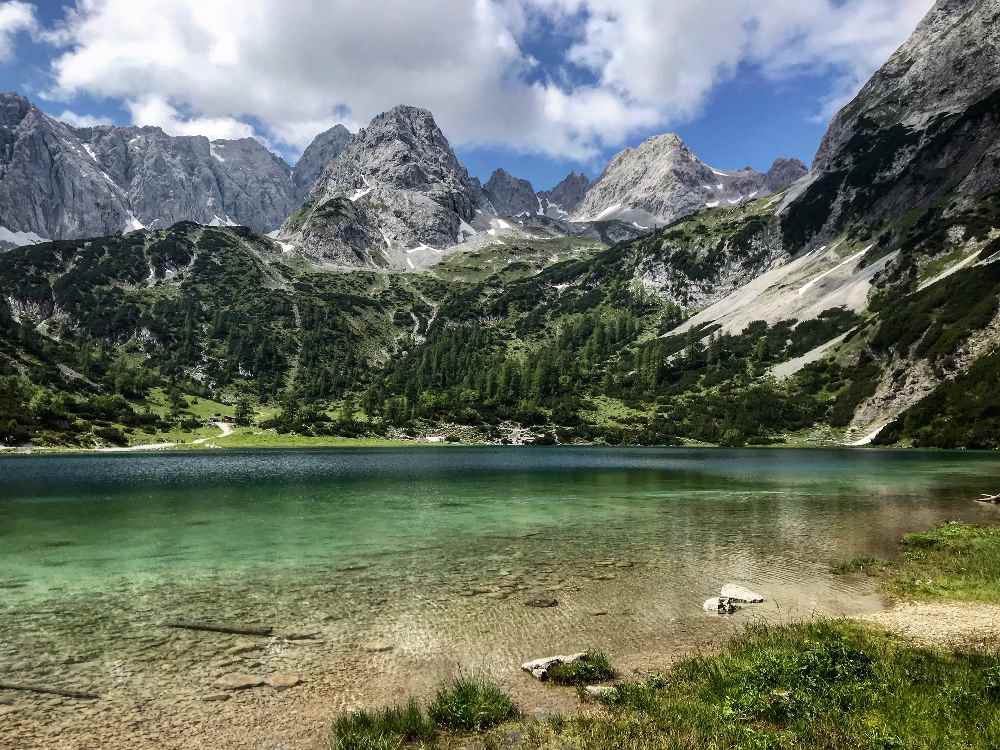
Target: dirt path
[(225, 429), (945, 624)]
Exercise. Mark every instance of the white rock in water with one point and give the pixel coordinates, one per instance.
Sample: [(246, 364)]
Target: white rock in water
[(741, 594), (720, 605), (598, 691)]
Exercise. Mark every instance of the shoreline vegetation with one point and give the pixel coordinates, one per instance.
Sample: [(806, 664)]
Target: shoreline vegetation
[(823, 684), (223, 434)]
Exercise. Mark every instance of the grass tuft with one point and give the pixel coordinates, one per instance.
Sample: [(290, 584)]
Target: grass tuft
[(471, 704), (385, 729), (594, 667)]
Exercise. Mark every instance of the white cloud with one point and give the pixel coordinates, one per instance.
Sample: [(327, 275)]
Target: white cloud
[(156, 110), (82, 121), (15, 17), (294, 67)]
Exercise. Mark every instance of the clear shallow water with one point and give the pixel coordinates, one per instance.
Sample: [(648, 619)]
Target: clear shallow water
[(434, 552), (79, 523)]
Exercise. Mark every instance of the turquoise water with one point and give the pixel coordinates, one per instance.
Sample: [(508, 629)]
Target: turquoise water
[(76, 523), (435, 552)]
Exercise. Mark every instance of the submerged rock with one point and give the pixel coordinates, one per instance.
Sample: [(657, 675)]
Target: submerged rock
[(216, 697), (740, 594), (721, 605), (239, 681), (542, 602), (377, 647), (598, 691), (539, 668), (284, 681)]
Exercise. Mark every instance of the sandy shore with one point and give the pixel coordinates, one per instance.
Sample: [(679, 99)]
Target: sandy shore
[(134, 715)]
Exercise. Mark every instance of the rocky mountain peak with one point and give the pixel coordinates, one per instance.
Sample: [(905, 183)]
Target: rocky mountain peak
[(62, 182), (396, 186), (932, 110), (563, 200), (783, 173), (510, 195), (13, 109), (324, 148), (662, 180)]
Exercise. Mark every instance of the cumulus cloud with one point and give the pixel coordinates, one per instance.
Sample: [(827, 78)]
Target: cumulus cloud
[(82, 121), (156, 110), (295, 67), (15, 17)]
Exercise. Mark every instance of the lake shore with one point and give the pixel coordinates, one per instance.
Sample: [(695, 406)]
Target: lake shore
[(386, 573)]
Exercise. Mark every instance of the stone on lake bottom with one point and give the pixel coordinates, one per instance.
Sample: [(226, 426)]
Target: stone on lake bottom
[(720, 605), (377, 647), (284, 681), (598, 691), (542, 602), (216, 697), (239, 681), (740, 594), (302, 636)]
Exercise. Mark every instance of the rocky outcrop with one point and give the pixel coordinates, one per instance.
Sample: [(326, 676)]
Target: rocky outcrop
[(166, 179), (562, 201), (50, 186), (511, 196), (397, 186), (325, 147), (62, 182), (926, 126), (662, 180)]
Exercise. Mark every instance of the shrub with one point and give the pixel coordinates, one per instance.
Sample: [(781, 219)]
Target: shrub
[(593, 667)]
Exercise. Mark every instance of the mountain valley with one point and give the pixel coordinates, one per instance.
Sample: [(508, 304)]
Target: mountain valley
[(377, 289)]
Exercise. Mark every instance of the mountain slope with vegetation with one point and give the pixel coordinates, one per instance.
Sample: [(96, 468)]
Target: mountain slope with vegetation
[(860, 305)]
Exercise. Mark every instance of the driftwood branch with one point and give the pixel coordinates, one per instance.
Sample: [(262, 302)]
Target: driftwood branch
[(49, 691), (995, 499), (214, 628)]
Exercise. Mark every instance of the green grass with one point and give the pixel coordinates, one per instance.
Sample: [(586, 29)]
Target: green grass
[(471, 704), (832, 685), (594, 667), (868, 565), (251, 438), (954, 561), (384, 729), (468, 704)]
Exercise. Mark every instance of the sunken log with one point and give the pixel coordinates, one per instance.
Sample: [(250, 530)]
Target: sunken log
[(216, 628)]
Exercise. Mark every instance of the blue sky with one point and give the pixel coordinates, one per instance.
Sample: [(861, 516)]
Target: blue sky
[(538, 87), (749, 120)]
